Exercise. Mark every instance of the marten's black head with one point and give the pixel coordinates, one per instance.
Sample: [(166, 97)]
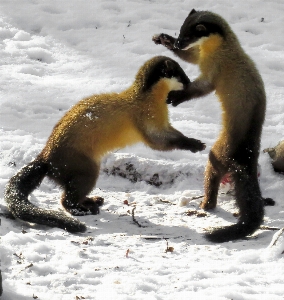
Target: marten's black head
[(198, 26), (161, 67)]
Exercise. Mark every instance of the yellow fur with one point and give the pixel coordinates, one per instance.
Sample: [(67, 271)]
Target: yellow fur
[(210, 45), (157, 112), (102, 123)]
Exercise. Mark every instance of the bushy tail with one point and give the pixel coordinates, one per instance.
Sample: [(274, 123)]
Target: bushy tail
[(16, 195), (251, 209)]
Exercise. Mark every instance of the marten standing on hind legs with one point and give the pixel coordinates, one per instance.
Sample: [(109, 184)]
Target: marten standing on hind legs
[(206, 39), (91, 128)]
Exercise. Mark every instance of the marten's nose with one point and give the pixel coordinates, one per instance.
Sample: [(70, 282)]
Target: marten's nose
[(177, 44)]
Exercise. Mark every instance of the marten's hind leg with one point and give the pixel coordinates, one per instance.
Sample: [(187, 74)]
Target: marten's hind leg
[(77, 174), (213, 175), (75, 201), (76, 189)]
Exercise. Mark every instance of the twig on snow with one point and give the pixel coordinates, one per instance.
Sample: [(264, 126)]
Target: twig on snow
[(269, 228), (168, 249), (276, 237), (133, 218), (197, 197), (127, 252)]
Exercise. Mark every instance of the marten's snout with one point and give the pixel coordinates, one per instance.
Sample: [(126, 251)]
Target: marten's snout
[(181, 44), (177, 44)]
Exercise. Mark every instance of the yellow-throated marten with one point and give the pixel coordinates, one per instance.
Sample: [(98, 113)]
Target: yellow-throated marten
[(94, 126), (206, 39)]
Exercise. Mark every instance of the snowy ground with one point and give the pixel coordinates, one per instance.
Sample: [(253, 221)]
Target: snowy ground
[(53, 53)]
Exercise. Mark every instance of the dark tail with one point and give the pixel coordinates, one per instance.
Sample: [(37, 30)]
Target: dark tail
[(16, 195), (251, 210)]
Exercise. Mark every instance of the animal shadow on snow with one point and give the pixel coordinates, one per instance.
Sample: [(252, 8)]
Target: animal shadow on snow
[(113, 223), (110, 222)]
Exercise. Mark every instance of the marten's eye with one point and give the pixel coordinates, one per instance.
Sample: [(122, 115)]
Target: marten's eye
[(168, 73), (168, 69), (164, 72)]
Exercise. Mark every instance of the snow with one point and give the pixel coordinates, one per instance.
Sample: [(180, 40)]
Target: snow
[(53, 53)]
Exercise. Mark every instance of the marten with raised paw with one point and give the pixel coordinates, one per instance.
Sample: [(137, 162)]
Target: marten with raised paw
[(93, 127), (207, 40)]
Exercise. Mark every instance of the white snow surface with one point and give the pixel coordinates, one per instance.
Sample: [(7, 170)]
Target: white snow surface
[(53, 53)]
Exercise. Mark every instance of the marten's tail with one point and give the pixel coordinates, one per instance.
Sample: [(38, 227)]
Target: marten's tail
[(16, 195), (251, 210)]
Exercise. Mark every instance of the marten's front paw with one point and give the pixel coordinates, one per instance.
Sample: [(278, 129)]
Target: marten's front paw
[(165, 40), (176, 97), (197, 145), (268, 202)]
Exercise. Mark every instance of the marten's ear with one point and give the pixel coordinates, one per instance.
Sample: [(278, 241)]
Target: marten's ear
[(168, 68), (193, 11), (169, 64), (172, 69)]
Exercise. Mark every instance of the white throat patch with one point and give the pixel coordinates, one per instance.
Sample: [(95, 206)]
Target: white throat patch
[(174, 84), (197, 43)]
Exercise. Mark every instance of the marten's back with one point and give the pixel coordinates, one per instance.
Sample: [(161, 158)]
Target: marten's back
[(94, 126)]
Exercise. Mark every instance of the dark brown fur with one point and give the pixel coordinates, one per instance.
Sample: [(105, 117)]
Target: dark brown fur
[(207, 40)]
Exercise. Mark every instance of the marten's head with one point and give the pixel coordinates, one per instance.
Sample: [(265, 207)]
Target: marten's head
[(198, 27), (161, 67)]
